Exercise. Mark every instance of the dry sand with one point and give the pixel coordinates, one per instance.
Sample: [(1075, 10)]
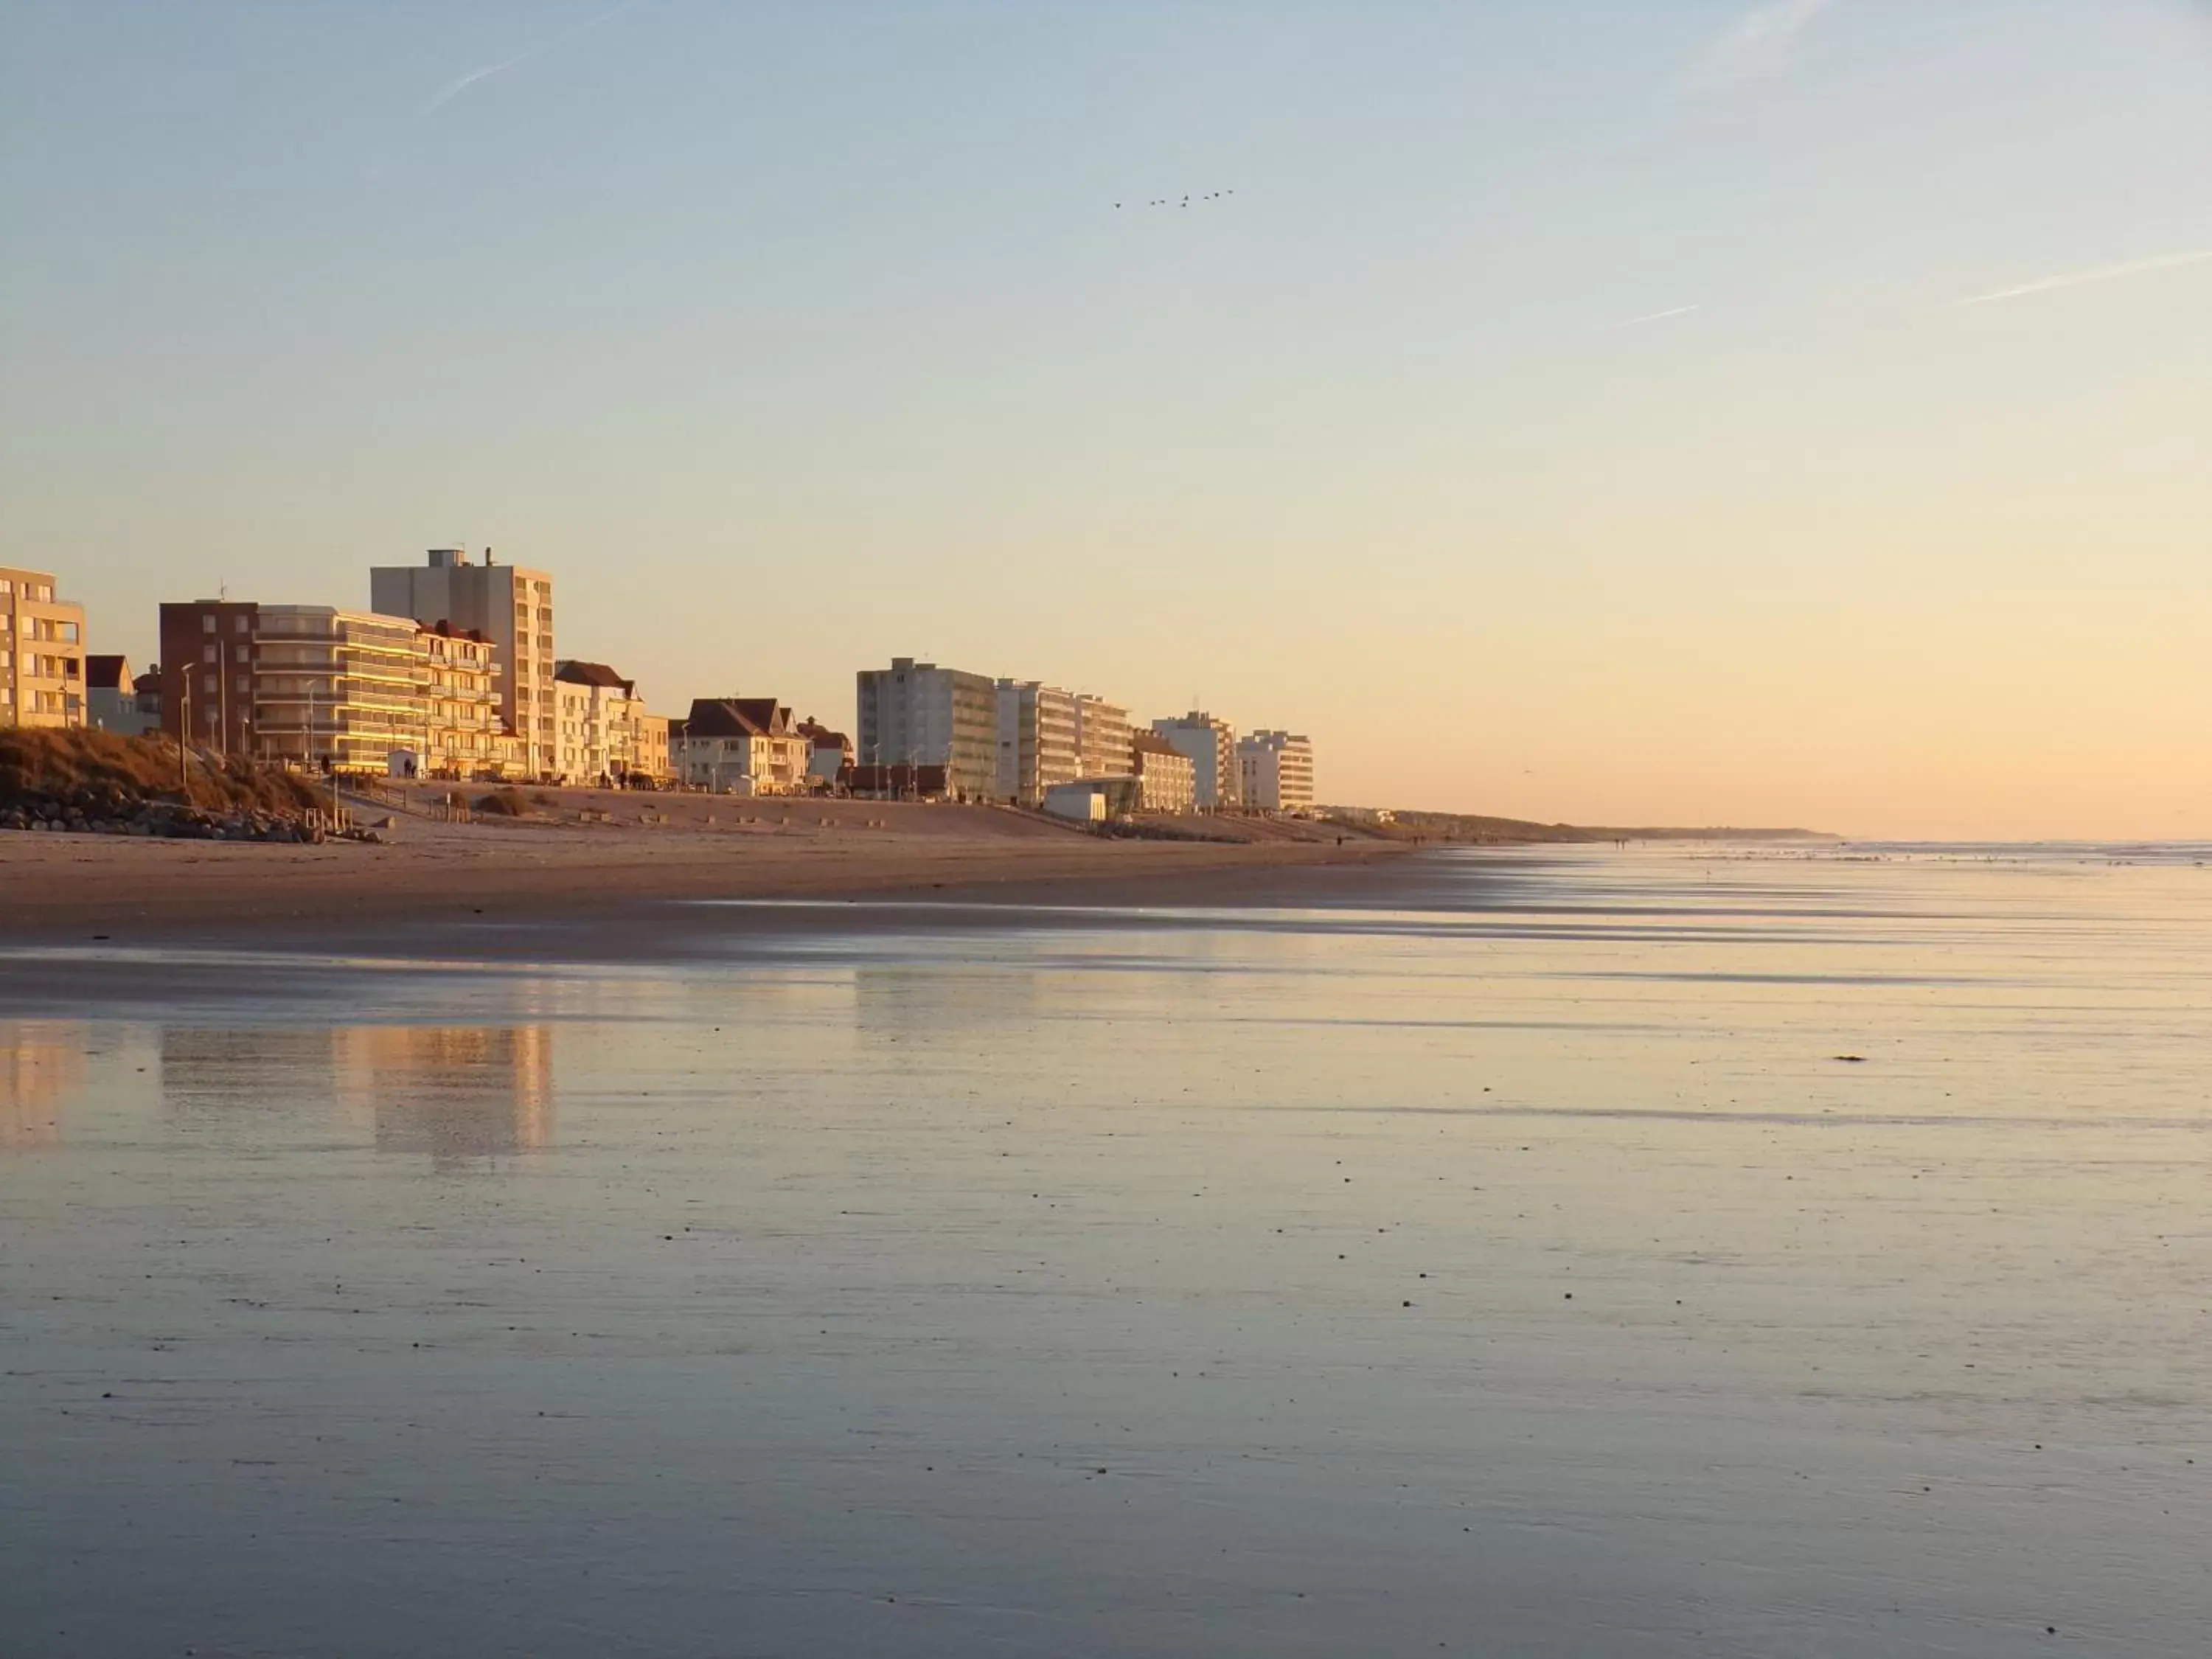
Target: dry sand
[(589, 889)]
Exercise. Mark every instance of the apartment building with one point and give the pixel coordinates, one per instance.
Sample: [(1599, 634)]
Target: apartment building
[(207, 672), (1167, 782), (464, 734), (597, 715), (1102, 738), (926, 731), (741, 746), (41, 651), (1037, 745), (332, 690), (512, 607), (1217, 775), (1276, 771), (328, 689)]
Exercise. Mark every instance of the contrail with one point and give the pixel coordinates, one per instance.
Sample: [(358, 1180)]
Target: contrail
[(2099, 273), (1655, 317), (1761, 44), (454, 89)]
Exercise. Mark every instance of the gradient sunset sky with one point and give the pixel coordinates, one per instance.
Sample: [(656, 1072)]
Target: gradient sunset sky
[(1615, 411)]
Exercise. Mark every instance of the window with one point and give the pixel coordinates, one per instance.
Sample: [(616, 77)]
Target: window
[(6, 586), (207, 654), (67, 632), (238, 624), (208, 685), (243, 683), (207, 625)]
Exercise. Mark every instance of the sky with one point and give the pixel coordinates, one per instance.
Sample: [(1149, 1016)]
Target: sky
[(1622, 411)]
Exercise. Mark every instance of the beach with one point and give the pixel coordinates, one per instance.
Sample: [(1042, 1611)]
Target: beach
[(1683, 1252), (604, 887)]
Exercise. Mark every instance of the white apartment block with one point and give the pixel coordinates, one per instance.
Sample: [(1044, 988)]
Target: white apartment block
[(1276, 771), (599, 725), (1217, 777), (41, 653), (1036, 741), (1102, 738), (1167, 782), (509, 605), (926, 731)]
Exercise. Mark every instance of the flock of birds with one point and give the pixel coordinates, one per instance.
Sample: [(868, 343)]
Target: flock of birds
[(1169, 200)]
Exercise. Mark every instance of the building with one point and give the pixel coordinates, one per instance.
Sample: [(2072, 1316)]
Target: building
[(1276, 772), (321, 687), (1036, 741), (146, 692), (1212, 745), (111, 700), (464, 734), (1167, 782), (741, 746), (654, 764), (1093, 800), (207, 673), (830, 759), (1102, 738), (41, 653), (598, 714), (513, 608), (926, 731), (331, 690)]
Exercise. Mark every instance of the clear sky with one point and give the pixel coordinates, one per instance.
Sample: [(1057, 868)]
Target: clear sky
[(1622, 411)]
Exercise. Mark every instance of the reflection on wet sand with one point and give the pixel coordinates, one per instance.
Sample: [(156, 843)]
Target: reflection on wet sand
[(42, 1068), (447, 1091), (909, 1001), (209, 1071), (452, 1092)]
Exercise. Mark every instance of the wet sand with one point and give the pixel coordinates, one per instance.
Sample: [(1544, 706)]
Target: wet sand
[(1489, 1253)]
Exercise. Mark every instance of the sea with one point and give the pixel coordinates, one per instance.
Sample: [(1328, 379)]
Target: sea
[(1662, 1250)]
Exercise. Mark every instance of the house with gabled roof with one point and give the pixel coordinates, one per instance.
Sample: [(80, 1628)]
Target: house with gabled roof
[(741, 746), (111, 700), (830, 760)]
